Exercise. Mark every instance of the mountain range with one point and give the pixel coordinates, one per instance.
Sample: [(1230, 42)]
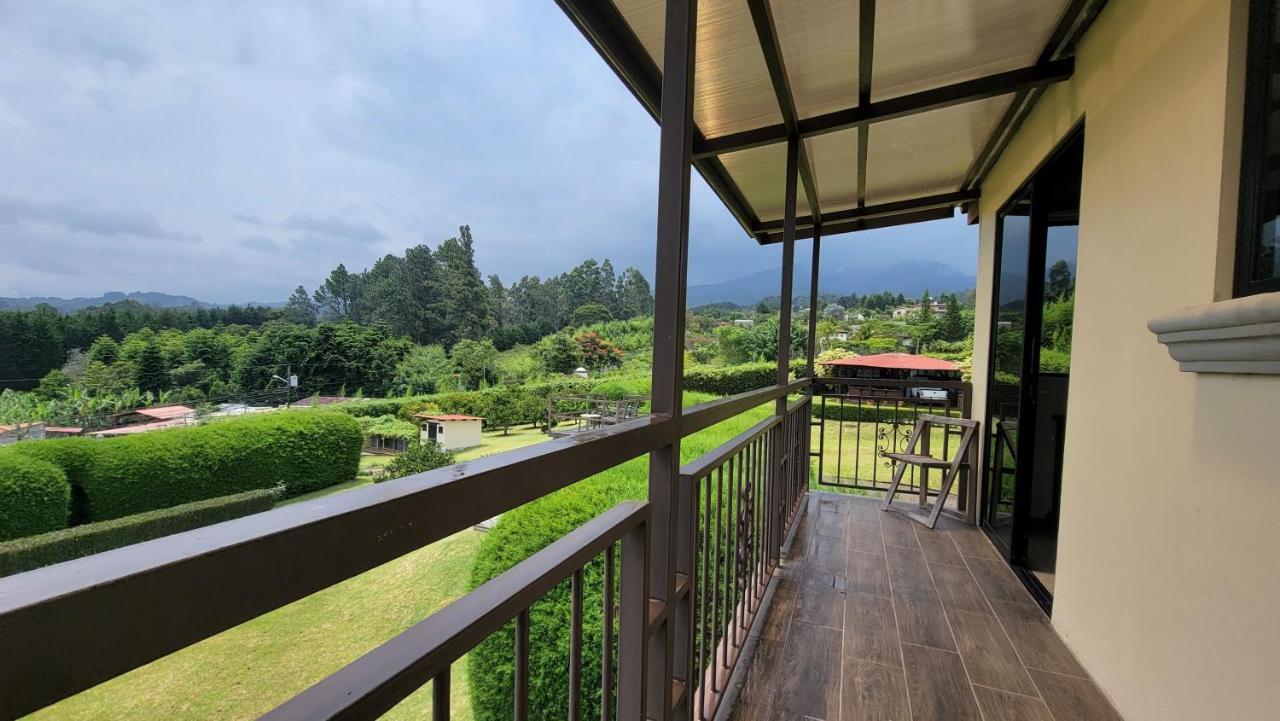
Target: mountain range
[(155, 300), (908, 277)]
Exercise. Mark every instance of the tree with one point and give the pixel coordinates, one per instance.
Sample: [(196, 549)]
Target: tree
[(424, 369), (634, 296), (300, 309), (149, 373), (591, 313), (1061, 284), (557, 353), (474, 361), (418, 459), (925, 314), (340, 293), (104, 350), (952, 326), (596, 352), (463, 296), (506, 407), (834, 311)]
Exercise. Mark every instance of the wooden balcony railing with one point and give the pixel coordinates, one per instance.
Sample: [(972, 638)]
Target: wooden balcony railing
[(68, 627)]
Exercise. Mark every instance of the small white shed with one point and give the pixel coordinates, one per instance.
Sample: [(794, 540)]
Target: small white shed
[(452, 431)]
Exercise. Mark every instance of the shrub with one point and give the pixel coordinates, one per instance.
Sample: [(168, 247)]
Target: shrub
[(299, 450), (35, 495), (730, 380), (25, 554), (74, 456), (418, 459), (523, 531)]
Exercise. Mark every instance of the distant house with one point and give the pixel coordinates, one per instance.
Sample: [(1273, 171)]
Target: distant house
[(12, 433), (906, 311), (744, 323), (897, 367), (452, 431), (154, 414), (62, 431)]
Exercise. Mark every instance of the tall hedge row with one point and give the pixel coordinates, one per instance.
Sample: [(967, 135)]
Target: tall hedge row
[(299, 450), (731, 380), (30, 552), (34, 495), (476, 403)]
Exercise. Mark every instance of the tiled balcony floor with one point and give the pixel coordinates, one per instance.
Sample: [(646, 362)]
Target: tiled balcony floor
[(877, 617)]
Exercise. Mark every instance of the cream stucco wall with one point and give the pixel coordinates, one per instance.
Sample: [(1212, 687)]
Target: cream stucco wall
[(1168, 585)]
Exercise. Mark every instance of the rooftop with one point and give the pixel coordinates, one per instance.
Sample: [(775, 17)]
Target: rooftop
[(447, 417), (896, 361), (165, 412)]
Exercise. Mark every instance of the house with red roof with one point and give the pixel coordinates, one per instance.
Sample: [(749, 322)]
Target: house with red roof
[(453, 431), (896, 367)]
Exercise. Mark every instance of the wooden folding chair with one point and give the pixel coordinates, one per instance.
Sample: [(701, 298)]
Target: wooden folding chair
[(925, 462)]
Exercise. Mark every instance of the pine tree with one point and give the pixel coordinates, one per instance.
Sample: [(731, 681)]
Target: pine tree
[(464, 298), (149, 374), (300, 309)]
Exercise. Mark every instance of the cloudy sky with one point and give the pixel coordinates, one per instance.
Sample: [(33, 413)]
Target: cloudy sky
[(233, 150)]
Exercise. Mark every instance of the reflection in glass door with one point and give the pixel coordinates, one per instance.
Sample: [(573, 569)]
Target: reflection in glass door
[(1031, 331), (1009, 331)]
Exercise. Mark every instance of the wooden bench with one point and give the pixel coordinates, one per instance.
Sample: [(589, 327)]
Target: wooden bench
[(924, 461)]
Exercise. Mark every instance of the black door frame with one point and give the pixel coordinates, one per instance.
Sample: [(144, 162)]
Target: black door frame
[(1028, 395)]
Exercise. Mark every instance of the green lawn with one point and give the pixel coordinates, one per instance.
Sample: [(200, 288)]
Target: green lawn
[(851, 450), (245, 671)]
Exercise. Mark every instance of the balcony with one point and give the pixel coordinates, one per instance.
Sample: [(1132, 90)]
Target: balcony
[(877, 617)]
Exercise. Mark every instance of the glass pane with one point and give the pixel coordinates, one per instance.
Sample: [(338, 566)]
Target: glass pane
[(1262, 270), (1006, 367)]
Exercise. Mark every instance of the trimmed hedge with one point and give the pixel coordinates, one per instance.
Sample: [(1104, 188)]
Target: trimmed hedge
[(25, 554), (74, 456), (523, 531), (731, 380), (34, 495), (300, 450), (475, 403)]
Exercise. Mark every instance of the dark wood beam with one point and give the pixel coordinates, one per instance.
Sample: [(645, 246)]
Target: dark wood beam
[(852, 226), (866, 57), (899, 107), (767, 36), (604, 27), (897, 207)]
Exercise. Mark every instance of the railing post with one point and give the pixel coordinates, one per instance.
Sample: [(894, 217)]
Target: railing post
[(633, 617), (813, 303), (668, 648), (777, 486)]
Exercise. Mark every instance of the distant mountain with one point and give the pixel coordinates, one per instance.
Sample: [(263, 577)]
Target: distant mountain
[(908, 277), (70, 305)]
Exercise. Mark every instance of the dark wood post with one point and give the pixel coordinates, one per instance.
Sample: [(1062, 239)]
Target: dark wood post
[(668, 649), (776, 491), (813, 302)]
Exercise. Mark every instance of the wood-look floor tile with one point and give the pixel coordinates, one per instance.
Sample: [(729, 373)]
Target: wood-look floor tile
[(938, 547), (1074, 698), (870, 629), (828, 554), (921, 619), (759, 684), (1004, 706), (818, 602), (810, 683), (937, 686), (867, 574), (863, 509), (1035, 639), (907, 568), (865, 538), (958, 590), (988, 654), (781, 608), (873, 692), (898, 530), (973, 542), (997, 581)]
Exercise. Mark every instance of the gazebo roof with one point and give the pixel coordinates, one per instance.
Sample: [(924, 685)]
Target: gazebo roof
[(901, 107)]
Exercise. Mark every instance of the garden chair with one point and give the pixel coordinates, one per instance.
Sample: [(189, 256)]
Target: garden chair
[(925, 462)]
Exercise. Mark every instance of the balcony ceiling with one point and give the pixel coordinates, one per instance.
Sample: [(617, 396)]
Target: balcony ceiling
[(901, 105)]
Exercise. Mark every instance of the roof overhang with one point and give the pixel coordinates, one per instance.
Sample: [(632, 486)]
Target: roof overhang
[(900, 107)]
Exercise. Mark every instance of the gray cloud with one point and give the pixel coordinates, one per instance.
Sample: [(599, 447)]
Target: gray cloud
[(334, 226), (16, 211)]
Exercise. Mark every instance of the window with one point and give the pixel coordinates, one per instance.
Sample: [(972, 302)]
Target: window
[(1258, 242)]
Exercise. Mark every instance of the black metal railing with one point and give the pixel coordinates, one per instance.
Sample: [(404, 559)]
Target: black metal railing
[(859, 420), (67, 627), (734, 487), (372, 684)]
